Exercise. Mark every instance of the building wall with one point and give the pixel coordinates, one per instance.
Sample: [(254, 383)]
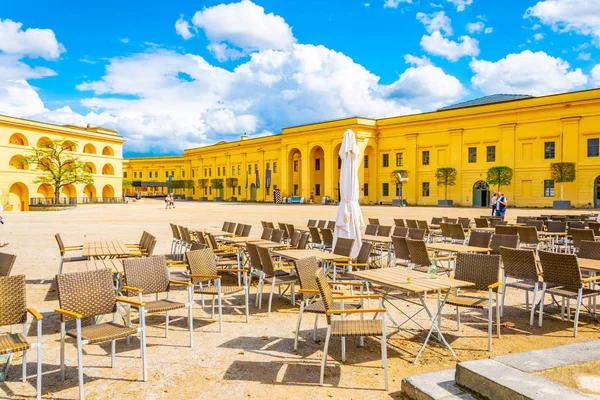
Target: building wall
[(516, 130), (100, 148)]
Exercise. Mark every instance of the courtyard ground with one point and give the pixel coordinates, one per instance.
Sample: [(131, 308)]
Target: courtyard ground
[(254, 360)]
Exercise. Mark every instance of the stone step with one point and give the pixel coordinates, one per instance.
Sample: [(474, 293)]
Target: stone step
[(434, 386)]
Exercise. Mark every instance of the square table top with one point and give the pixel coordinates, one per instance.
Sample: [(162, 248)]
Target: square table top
[(272, 245), (589, 264), (114, 264), (105, 248), (397, 278), (242, 239), (215, 231), (378, 239), (457, 248), (300, 254)]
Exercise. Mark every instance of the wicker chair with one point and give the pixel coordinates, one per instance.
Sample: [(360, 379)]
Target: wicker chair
[(331, 225), (176, 242), (587, 249), (291, 230), (457, 233), (483, 270), (371, 229), (562, 277), (362, 261), (595, 226), (283, 228), (384, 230), (321, 224), (401, 252), (539, 225), (270, 225), (246, 230), (266, 234), (205, 278), (506, 230), (312, 222), (481, 223), (446, 235), (510, 241), (495, 221), (145, 247), (480, 239), (76, 303), (315, 237), (399, 222), (238, 230), (303, 242), (225, 226), (374, 221), (521, 267), (465, 222), (581, 234), (529, 239), (277, 235), (68, 249), (417, 251), (231, 228), (400, 231), (416, 234), (346, 327), (327, 235), (343, 247), (450, 220), (436, 220), (523, 219), (412, 223), (278, 274), (556, 226), (14, 311), (6, 263), (150, 275), (294, 239)]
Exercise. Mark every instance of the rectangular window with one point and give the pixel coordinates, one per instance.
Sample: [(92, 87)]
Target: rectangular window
[(167, 174), (472, 154), (548, 150), (548, 188), (386, 160), (425, 157), (232, 170), (317, 189), (193, 191), (399, 159), (295, 190), (218, 171), (205, 175), (210, 172), (366, 188), (425, 189), (268, 165), (239, 169), (134, 174), (124, 174), (491, 153), (239, 190), (249, 169), (295, 165), (317, 164), (173, 173), (366, 162), (210, 190), (183, 173), (593, 147), (385, 189), (274, 167), (193, 173)]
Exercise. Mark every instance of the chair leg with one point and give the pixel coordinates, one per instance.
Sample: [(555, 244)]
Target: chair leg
[(542, 304), (316, 327), (271, 296), (62, 351), (384, 351), (298, 325), (497, 316), (24, 377), (343, 348), (577, 309), (143, 344), (246, 295), (212, 313), (527, 300), (80, 360), (166, 324), (535, 291), (458, 318), (220, 296), (325, 349), (112, 353), (490, 321), (503, 296), (191, 314)]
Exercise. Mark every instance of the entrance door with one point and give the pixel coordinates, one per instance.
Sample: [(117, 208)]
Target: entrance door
[(597, 193), (253, 192), (481, 194)]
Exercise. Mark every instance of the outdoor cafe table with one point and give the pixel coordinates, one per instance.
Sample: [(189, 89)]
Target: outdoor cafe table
[(484, 229), (456, 248), (101, 249), (215, 231), (242, 240), (385, 241), (114, 264), (272, 245), (397, 278), (295, 255)]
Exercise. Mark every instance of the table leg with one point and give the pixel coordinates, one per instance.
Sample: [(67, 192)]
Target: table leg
[(434, 325)]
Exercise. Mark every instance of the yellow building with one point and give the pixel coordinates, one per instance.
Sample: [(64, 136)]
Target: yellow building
[(99, 148), (522, 132)]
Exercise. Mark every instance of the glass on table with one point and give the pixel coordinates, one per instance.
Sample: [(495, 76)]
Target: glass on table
[(409, 277)]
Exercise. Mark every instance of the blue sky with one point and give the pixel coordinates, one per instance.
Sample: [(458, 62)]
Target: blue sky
[(174, 75)]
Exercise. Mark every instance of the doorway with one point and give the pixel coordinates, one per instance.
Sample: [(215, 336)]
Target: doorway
[(597, 193), (481, 194), (253, 192)]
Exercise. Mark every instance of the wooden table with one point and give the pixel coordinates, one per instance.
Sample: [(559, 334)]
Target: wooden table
[(114, 264), (385, 241), (295, 255), (272, 245), (589, 264), (493, 230), (242, 239), (215, 232), (101, 249), (420, 283), (457, 248)]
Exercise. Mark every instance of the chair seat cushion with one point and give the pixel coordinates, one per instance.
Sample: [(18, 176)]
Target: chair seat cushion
[(523, 285), (103, 332), (367, 327), (162, 306), (572, 293), (282, 278), (225, 290), (467, 301), (319, 308), (11, 343)]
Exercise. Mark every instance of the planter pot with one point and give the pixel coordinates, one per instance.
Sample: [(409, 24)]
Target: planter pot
[(203, 198), (445, 203), (218, 199), (398, 204), (233, 199), (189, 198), (561, 204)]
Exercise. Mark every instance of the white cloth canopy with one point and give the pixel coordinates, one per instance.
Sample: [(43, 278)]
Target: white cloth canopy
[(349, 221)]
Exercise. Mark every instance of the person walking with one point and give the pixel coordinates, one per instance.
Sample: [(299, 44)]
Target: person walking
[(501, 204), (172, 201), (2, 244), (493, 203), (168, 201)]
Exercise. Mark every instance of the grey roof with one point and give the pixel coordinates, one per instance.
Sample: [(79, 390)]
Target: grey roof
[(494, 98)]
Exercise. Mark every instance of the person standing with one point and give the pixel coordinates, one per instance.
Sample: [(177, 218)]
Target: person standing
[(168, 201), (501, 204), (172, 201), (493, 203), (2, 244)]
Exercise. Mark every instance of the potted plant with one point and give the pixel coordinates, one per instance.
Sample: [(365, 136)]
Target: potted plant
[(500, 175), (217, 184), (399, 177), (232, 183), (446, 177), (202, 184), (562, 172)]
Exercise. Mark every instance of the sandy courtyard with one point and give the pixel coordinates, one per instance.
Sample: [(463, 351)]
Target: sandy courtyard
[(254, 360)]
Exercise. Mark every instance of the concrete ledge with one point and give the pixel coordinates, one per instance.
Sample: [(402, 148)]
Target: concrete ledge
[(434, 386)]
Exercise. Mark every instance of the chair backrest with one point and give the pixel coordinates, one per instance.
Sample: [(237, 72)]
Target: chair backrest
[(315, 236), (495, 222), (266, 234), (246, 230), (270, 225), (306, 269), (326, 292), (371, 229), (457, 232), (384, 230), (151, 245), (436, 220), (521, 219), (238, 230), (560, 269), (400, 231), (556, 226), (89, 293), (212, 242), (364, 253), (201, 262), (231, 228), (450, 220), (327, 235), (400, 248), (581, 234), (374, 221), (6, 263), (321, 223), (528, 234), (290, 229), (268, 266), (506, 230), (277, 235), (595, 226), (519, 264), (283, 227), (263, 223), (423, 225), (416, 234), (511, 241), (559, 217), (198, 246), (61, 245), (174, 230), (254, 258), (411, 223), (480, 239), (225, 226), (312, 222), (417, 251), (185, 234), (480, 269), (13, 299), (295, 239), (539, 225), (150, 274), (587, 249), (465, 222), (481, 223), (445, 228), (201, 239), (303, 242), (343, 247), (331, 225), (399, 222)]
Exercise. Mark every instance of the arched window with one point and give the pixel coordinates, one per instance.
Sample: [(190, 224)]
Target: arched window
[(18, 140), (108, 151), (89, 148), (108, 170), (16, 162)]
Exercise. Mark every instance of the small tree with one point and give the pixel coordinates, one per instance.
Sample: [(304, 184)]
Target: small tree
[(59, 167), (216, 184), (500, 175), (446, 177), (563, 172), (397, 177), (232, 183), (203, 183), (126, 184)]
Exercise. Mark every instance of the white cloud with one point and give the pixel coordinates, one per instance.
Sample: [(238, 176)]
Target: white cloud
[(526, 73), (244, 26), (124, 40), (436, 5), (538, 36), (395, 3), (488, 30), (437, 21), (461, 4), (580, 16), (417, 61), (596, 76), (584, 56), (475, 27), (367, 4), (31, 42), (87, 61), (18, 98), (182, 27), (440, 46), (223, 53)]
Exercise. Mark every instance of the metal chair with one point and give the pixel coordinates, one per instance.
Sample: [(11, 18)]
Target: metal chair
[(327, 235), (315, 237), (278, 274), (521, 267), (510, 241), (589, 249), (480, 239), (371, 229), (6, 263), (384, 230), (68, 249)]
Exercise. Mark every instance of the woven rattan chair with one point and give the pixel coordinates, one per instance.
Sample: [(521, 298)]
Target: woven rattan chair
[(556, 226), (312, 222), (457, 233), (465, 222), (303, 242), (92, 294), (562, 277), (581, 234), (321, 223), (400, 231), (150, 276), (246, 230), (277, 235), (521, 219), (412, 223), (587, 249), (362, 261), (294, 239), (401, 252), (64, 250), (384, 230), (529, 239), (423, 260), (399, 222), (315, 237), (291, 230), (14, 311), (520, 271), (283, 228), (446, 235), (278, 274), (481, 223), (510, 241), (270, 225), (254, 267), (495, 221), (231, 228), (225, 226), (327, 235), (506, 230), (331, 225), (436, 220), (539, 225), (484, 271), (371, 229), (450, 220), (347, 327), (238, 230), (343, 247), (416, 234), (6, 263), (480, 239), (266, 234), (595, 226), (176, 242), (374, 221), (205, 277), (263, 224)]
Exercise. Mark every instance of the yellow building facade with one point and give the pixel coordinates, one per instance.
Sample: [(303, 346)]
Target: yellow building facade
[(525, 134), (100, 149)]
